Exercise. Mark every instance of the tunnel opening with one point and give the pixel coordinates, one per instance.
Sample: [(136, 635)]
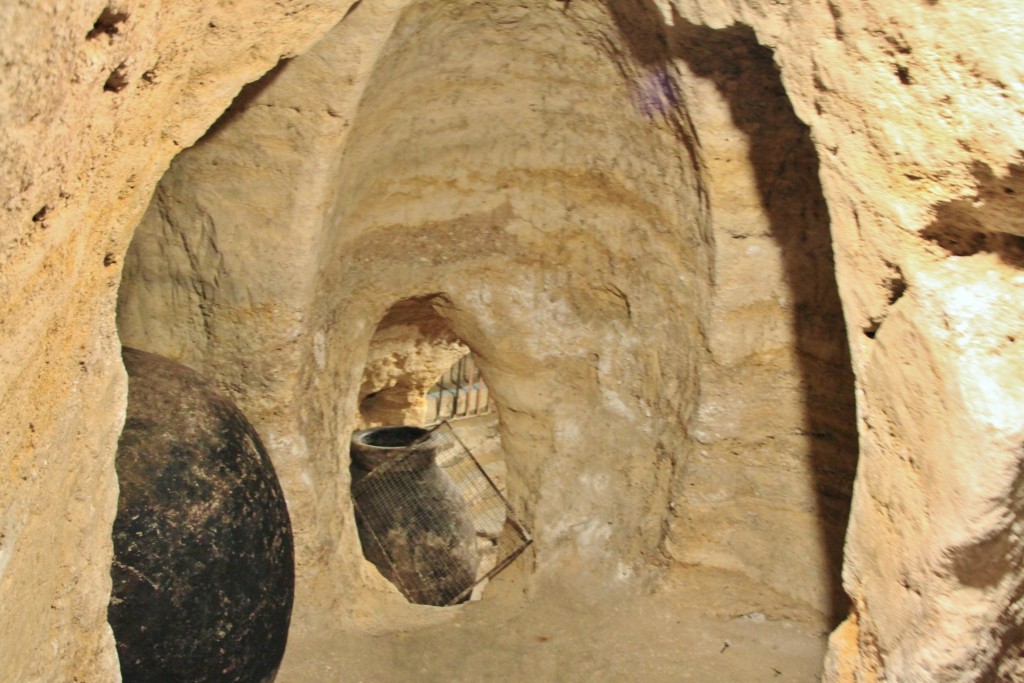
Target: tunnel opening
[(650, 294), (412, 347), (430, 514)]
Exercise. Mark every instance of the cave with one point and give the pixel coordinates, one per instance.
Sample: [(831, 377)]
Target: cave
[(743, 281), (629, 292)]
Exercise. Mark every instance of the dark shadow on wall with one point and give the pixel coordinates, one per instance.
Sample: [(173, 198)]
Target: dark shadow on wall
[(245, 98), (786, 167), (965, 226)]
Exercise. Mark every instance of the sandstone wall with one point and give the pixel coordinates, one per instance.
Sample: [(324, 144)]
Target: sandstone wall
[(767, 490), (96, 100), (410, 349), (557, 241), (915, 110), (565, 255), (605, 245)]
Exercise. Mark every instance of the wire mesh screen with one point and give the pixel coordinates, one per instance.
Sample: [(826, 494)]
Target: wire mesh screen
[(460, 392), (428, 515)]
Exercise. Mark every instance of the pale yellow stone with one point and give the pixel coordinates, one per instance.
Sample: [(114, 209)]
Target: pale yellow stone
[(628, 212)]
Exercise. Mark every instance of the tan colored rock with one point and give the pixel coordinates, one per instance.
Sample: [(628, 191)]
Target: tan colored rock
[(627, 210), (96, 100), (418, 209), (411, 348)]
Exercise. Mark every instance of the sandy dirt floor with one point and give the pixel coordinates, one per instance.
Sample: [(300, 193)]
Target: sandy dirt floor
[(693, 627), (691, 624)]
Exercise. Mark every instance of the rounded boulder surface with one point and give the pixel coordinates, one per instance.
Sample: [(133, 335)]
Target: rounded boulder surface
[(203, 570)]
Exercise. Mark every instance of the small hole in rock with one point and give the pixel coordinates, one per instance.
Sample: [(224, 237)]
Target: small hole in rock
[(109, 259), (903, 73), (107, 24), (897, 286), (117, 80), (40, 215)]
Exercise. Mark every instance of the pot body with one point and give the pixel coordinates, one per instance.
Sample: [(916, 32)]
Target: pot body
[(413, 521), (203, 573)]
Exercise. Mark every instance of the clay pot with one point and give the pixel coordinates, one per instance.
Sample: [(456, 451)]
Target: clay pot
[(413, 522), (203, 576)]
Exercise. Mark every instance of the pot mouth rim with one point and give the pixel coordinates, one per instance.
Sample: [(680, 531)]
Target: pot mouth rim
[(389, 437)]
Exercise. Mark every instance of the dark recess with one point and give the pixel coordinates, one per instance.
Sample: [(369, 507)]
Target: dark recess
[(118, 79), (108, 23)]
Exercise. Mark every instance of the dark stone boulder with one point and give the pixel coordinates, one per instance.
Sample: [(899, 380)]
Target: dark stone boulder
[(203, 570)]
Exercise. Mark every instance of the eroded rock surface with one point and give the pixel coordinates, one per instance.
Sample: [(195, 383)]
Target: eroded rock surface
[(616, 206)]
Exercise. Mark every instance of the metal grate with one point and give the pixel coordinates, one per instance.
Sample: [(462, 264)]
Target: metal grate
[(460, 392), (432, 520)]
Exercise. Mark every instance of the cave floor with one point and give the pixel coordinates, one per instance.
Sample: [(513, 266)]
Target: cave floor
[(696, 625)]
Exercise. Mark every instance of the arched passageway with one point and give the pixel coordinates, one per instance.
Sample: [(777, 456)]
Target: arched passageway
[(638, 255)]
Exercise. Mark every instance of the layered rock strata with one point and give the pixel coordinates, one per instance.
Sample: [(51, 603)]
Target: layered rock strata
[(603, 174)]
